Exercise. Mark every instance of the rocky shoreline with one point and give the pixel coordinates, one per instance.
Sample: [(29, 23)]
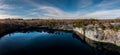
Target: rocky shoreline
[(99, 35), (108, 36), (86, 36), (95, 42)]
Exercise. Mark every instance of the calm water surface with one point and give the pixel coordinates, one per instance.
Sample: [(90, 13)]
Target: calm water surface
[(45, 42)]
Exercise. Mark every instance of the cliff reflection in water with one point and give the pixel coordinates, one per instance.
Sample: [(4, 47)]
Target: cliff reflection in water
[(39, 42), (43, 41)]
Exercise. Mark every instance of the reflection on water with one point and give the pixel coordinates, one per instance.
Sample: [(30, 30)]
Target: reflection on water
[(44, 42)]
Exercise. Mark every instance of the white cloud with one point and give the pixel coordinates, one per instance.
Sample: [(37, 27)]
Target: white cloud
[(3, 16), (6, 14), (56, 12), (85, 3), (4, 6), (53, 12), (105, 14), (5, 10), (107, 3), (49, 11)]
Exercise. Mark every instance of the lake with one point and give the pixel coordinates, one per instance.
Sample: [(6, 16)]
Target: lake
[(35, 42)]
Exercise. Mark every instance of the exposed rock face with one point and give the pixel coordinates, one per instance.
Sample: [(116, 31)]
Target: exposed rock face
[(101, 39), (110, 35), (100, 34), (118, 37), (107, 35), (80, 30)]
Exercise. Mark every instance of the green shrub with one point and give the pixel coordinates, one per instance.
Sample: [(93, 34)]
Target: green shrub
[(102, 26), (78, 24)]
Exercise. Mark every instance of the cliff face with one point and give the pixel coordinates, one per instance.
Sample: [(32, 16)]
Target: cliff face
[(107, 35), (110, 35)]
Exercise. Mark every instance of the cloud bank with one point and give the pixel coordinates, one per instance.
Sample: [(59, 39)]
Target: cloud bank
[(60, 9)]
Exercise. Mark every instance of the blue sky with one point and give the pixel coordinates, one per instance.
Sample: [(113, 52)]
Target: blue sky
[(60, 9)]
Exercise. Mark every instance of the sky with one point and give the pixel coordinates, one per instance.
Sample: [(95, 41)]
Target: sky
[(60, 9)]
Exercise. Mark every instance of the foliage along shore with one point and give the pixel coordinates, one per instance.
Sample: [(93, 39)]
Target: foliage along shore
[(65, 24), (102, 29)]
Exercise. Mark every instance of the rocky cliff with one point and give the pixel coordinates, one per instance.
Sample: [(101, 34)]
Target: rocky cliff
[(97, 34)]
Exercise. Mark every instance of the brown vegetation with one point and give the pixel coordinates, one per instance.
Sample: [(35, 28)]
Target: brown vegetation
[(17, 24)]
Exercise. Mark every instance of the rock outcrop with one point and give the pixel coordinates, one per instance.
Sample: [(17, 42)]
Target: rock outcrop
[(97, 34)]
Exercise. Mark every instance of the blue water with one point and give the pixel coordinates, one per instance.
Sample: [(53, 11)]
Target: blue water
[(44, 42)]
